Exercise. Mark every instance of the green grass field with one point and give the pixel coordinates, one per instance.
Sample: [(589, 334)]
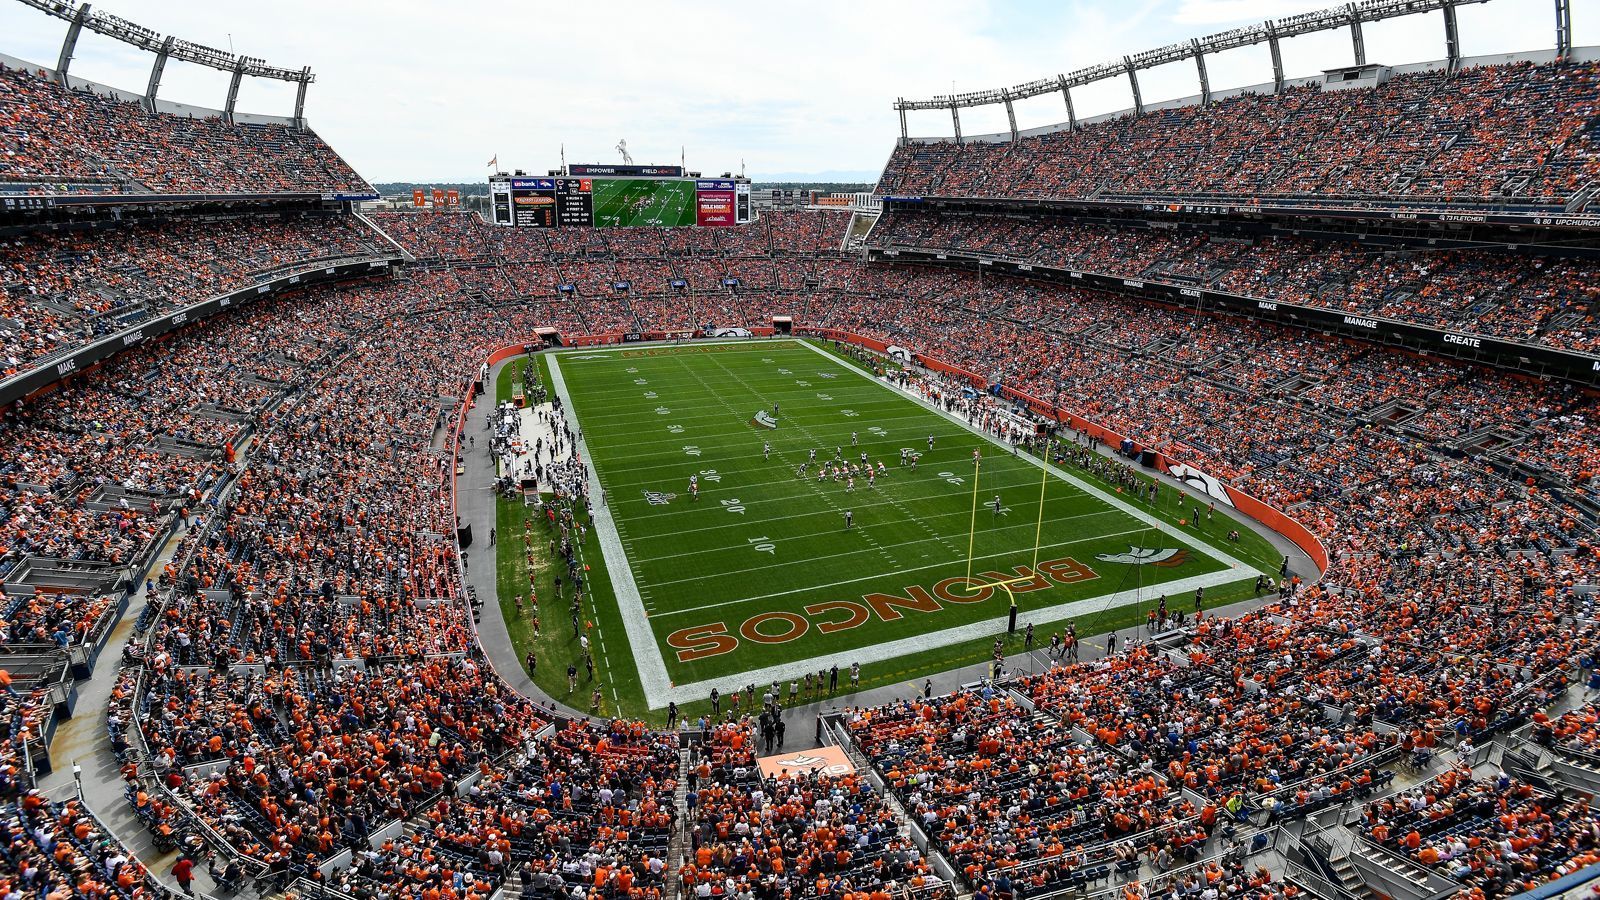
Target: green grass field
[(639, 201), (759, 579)]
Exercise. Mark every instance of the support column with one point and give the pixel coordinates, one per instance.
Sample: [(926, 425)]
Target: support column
[(1011, 116), (1563, 29), (1356, 40), (156, 68), (1452, 38), (1277, 58), (305, 79), (955, 116), (70, 43), (1133, 79), (1066, 94), (233, 90), (1200, 66), (901, 109)]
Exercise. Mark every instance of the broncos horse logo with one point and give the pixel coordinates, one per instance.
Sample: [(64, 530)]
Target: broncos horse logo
[(1146, 556)]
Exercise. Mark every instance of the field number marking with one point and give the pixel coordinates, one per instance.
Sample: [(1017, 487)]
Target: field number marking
[(762, 545), (732, 505), (710, 475)]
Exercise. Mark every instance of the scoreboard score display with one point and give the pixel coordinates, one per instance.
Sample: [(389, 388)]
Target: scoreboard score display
[(618, 196)]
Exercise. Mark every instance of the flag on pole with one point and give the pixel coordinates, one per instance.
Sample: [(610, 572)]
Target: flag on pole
[(494, 161)]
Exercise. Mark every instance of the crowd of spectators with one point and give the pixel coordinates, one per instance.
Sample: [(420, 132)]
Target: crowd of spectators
[(621, 280), (792, 834), (1502, 134), (313, 676), (1522, 297), (1498, 835), (61, 289), (59, 850), (59, 140), (1456, 572)]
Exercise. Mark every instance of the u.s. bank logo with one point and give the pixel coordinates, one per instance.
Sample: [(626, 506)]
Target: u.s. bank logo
[(659, 498)]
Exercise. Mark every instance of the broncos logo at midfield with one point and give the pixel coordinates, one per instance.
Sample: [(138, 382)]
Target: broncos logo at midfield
[(1146, 556)]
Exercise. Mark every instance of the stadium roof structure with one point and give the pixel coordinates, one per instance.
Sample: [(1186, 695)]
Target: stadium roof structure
[(81, 16), (1270, 32)]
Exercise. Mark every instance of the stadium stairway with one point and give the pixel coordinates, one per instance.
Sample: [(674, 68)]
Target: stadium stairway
[(675, 846), (80, 742)]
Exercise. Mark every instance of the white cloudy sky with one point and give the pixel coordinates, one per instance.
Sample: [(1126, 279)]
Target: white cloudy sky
[(428, 90)]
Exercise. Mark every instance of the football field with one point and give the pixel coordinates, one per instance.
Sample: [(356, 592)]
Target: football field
[(620, 202), (760, 579)]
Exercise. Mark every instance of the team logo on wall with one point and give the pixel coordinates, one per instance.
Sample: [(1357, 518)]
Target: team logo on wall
[(1200, 481), (730, 332), (764, 419), (825, 760), (1147, 556), (659, 498)]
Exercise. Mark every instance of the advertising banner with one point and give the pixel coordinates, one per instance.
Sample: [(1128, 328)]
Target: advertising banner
[(714, 209)]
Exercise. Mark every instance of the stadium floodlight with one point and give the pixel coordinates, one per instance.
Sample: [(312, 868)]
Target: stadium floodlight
[(1351, 15), (84, 16)]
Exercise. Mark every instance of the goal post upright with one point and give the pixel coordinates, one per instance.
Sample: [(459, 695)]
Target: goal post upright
[(972, 524), (1044, 479)]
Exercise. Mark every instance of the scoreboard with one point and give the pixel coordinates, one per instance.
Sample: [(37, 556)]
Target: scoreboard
[(613, 196), (543, 202)]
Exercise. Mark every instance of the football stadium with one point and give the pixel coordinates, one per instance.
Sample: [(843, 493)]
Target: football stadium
[(1161, 498)]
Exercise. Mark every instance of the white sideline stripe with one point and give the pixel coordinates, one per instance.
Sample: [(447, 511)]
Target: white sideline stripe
[(947, 563), (811, 559), (986, 628), (888, 501), (1165, 528), (865, 491), (674, 437), (653, 676), (657, 685)]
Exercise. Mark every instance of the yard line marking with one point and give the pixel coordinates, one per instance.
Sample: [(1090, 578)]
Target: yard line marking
[(986, 628), (819, 587), (768, 519), (809, 484), (736, 488), (1113, 500), (654, 680), (936, 536)]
